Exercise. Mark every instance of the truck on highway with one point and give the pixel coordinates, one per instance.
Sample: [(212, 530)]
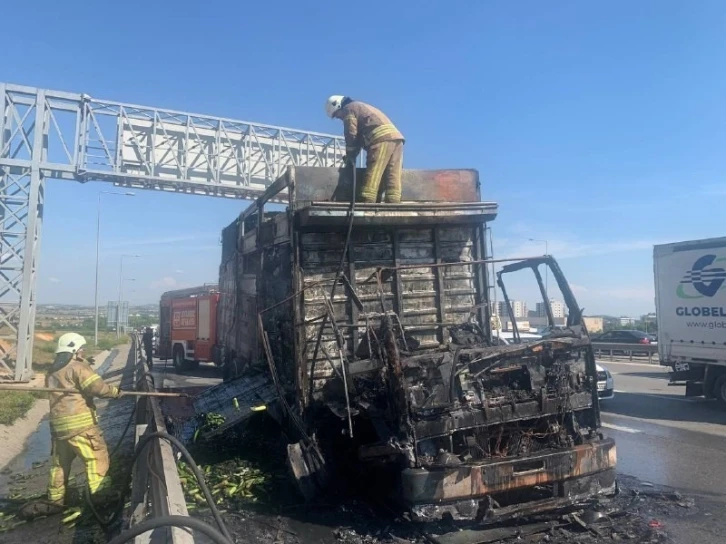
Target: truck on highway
[(366, 332), (188, 326), (690, 298)]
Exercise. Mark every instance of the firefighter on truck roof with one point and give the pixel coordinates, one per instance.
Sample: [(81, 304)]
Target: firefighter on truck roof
[(366, 127), (73, 425)]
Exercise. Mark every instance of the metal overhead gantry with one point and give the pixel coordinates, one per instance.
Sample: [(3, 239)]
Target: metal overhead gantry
[(68, 136)]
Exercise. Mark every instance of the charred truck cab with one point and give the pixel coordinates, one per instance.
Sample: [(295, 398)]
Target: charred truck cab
[(376, 336)]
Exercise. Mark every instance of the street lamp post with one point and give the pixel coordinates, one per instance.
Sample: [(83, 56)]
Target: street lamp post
[(120, 291), (547, 252), (121, 297), (98, 243)]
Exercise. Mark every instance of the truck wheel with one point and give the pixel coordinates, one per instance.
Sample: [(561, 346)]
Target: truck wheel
[(719, 390), (178, 358)]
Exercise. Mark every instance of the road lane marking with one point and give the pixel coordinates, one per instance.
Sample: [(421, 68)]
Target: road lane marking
[(663, 396), (606, 363), (621, 428)]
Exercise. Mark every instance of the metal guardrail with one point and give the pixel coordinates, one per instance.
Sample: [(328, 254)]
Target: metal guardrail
[(155, 490), (628, 349)]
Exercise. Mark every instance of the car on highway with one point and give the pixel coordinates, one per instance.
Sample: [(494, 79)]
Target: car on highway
[(624, 337), (605, 383)]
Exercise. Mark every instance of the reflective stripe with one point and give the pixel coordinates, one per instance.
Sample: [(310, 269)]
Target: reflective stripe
[(372, 183), (73, 423), (57, 476), (349, 117), (56, 487), (381, 131), (89, 458), (56, 496), (88, 381)]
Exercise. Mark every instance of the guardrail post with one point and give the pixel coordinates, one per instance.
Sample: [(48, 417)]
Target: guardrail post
[(611, 354)]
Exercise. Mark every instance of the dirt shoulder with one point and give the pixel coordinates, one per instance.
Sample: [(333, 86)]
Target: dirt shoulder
[(13, 437)]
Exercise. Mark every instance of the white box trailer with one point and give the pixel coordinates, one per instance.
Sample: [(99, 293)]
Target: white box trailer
[(690, 298)]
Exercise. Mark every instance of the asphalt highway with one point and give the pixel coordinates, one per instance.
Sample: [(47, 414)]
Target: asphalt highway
[(666, 439)]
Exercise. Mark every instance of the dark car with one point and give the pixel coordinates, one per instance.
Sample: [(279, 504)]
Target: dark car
[(624, 337)]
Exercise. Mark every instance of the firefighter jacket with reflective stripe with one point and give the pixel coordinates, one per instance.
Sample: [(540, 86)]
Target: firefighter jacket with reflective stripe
[(71, 414), (364, 125)]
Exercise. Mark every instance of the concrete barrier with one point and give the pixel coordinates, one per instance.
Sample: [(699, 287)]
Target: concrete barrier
[(628, 349)]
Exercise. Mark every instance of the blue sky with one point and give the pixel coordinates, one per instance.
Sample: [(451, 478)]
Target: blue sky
[(597, 126)]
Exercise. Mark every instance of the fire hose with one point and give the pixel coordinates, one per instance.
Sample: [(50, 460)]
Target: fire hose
[(9, 387)]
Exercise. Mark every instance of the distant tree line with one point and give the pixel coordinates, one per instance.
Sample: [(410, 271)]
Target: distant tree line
[(88, 324), (650, 326)]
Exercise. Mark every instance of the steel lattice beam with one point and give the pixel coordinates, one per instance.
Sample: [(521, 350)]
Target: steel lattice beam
[(53, 134)]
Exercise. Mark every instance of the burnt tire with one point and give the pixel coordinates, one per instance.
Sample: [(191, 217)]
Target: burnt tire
[(719, 390), (180, 363)]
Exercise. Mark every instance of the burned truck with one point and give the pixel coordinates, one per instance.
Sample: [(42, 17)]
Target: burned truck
[(372, 324)]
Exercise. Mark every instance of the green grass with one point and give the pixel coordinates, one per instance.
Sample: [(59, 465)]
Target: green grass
[(14, 405), (110, 342), (44, 350)]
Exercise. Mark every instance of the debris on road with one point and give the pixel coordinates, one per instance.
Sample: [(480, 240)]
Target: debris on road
[(231, 482), (349, 516)]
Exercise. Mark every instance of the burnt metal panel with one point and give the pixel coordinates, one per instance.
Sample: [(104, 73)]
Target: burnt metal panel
[(413, 292), (274, 285), (502, 413), (562, 494), (227, 325), (337, 214), (499, 475), (235, 400), (229, 240), (416, 185)]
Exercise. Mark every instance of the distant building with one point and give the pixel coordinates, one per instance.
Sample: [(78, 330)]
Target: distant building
[(628, 321), (518, 307), (541, 323), (594, 324), (522, 326), (559, 310)]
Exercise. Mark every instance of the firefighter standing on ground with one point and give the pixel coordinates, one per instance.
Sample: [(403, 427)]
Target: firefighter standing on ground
[(148, 341), (366, 127), (73, 423)]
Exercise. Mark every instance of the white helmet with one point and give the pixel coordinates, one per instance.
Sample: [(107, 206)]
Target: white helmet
[(333, 104), (70, 342)]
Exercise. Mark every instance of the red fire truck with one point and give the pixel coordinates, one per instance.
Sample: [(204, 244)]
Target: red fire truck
[(188, 326)]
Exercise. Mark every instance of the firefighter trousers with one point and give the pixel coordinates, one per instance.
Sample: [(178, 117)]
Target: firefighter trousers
[(384, 162), (90, 446)]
